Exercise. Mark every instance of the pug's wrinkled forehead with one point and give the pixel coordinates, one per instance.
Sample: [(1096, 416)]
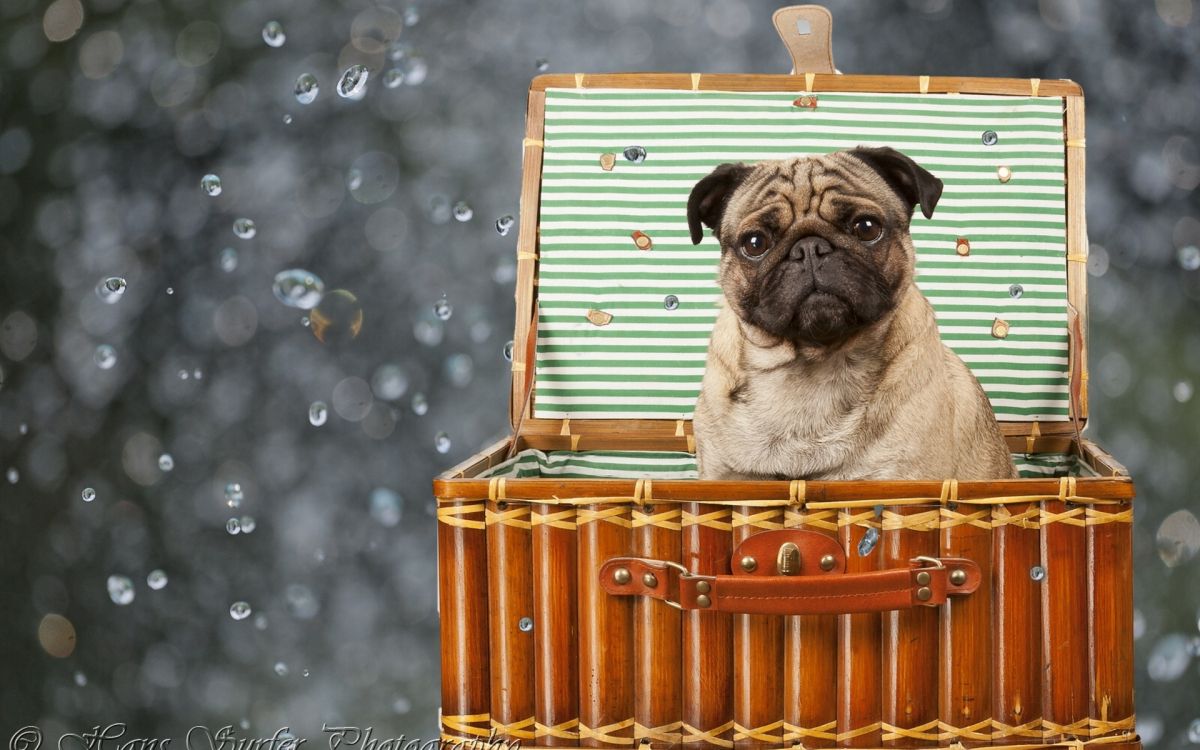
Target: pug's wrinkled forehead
[(829, 187)]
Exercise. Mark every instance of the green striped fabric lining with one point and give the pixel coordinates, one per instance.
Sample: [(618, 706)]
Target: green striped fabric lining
[(648, 362), (532, 463)]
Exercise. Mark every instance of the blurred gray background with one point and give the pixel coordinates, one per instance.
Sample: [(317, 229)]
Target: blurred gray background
[(111, 111)]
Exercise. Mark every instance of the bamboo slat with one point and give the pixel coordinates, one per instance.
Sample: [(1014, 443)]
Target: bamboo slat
[(510, 601), (810, 658), (527, 250), (606, 648), (707, 636), (463, 604), (1017, 633), (757, 652), (556, 645), (1110, 602), (1077, 242), (860, 652), (658, 634), (1065, 621)]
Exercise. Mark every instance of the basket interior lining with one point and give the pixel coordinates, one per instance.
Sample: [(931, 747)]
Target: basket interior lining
[(533, 463)]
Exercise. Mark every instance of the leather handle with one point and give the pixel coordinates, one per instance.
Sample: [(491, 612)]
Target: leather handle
[(924, 582), (807, 32)]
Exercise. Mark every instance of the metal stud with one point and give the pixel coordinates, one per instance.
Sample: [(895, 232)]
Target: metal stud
[(622, 576), (958, 576), (703, 587), (703, 601), (1003, 173), (788, 561), (827, 562), (924, 594), (923, 578), (650, 580), (990, 138), (749, 564)]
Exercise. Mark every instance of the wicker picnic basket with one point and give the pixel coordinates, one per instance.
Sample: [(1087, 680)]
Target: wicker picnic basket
[(594, 593)]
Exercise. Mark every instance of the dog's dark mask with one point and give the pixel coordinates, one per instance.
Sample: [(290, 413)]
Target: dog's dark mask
[(814, 250)]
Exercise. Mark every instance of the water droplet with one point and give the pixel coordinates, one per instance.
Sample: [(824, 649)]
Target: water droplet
[(305, 321), (80, 679), (525, 624), (1193, 732), (1169, 658), (273, 34), (248, 524), (415, 70), (239, 610), (1182, 391), (420, 405), (541, 64), (412, 16), (166, 462), (233, 526), (353, 82), (671, 302), (385, 506), (228, 260), (23, 428), (443, 309), (105, 357), (337, 319), (867, 544), (111, 289), (508, 351), (463, 211), (170, 291), (318, 412), (234, 495), (88, 494), (307, 88), (990, 138), (1037, 573), (211, 184), (12, 475), (393, 78), (120, 590), (157, 579), (1189, 258), (504, 224), (184, 375), (1016, 291), (635, 154), (244, 228), (197, 374), (442, 442), (281, 669), (1139, 624), (389, 382), (287, 119), (354, 179), (1178, 538), (296, 287)]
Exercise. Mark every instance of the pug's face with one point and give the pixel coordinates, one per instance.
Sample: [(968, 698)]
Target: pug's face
[(814, 249)]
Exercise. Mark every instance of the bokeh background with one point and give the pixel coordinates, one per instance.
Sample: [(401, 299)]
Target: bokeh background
[(111, 112)]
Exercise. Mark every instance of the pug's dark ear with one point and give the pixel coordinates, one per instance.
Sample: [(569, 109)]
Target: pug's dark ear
[(910, 180), (706, 204)]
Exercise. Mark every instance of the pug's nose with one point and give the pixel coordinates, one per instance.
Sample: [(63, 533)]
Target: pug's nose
[(810, 247)]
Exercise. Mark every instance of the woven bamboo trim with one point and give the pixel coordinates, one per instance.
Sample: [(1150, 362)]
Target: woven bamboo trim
[(818, 520), (533, 143), (1081, 728), (713, 520), (927, 731), (1032, 729), (870, 503), (1026, 519), (643, 491), (695, 81), (762, 734), (520, 729), (923, 84), (979, 518), (1071, 517), (809, 80), (766, 519), (463, 724), (1101, 727), (868, 729), (692, 734), (1034, 85), (561, 731), (1095, 517), (516, 516), (979, 731), (827, 731), (615, 516), (449, 515), (858, 519), (604, 733), (496, 489), (563, 519), (667, 519), (668, 733), (929, 520)]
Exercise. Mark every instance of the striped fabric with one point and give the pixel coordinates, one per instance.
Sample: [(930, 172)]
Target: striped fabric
[(532, 463), (648, 362)]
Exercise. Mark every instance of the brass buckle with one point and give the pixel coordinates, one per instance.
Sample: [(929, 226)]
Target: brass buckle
[(683, 573), (935, 562)]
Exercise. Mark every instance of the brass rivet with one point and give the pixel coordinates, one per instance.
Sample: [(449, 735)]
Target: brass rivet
[(608, 161), (622, 576), (1004, 174), (923, 578), (649, 580), (703, 587), (827, 562), (924, 593), (749, 564), (1000, 328), (963, 246), (958, 576), (703, 601)]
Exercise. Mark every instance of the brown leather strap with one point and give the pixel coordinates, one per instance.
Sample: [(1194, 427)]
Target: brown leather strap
[(924, 582)]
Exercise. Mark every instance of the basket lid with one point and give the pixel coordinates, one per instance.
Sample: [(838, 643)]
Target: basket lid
[(615, 304)]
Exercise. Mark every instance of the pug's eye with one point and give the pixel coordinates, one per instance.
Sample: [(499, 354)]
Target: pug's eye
[(755, 245), (867, 228)]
